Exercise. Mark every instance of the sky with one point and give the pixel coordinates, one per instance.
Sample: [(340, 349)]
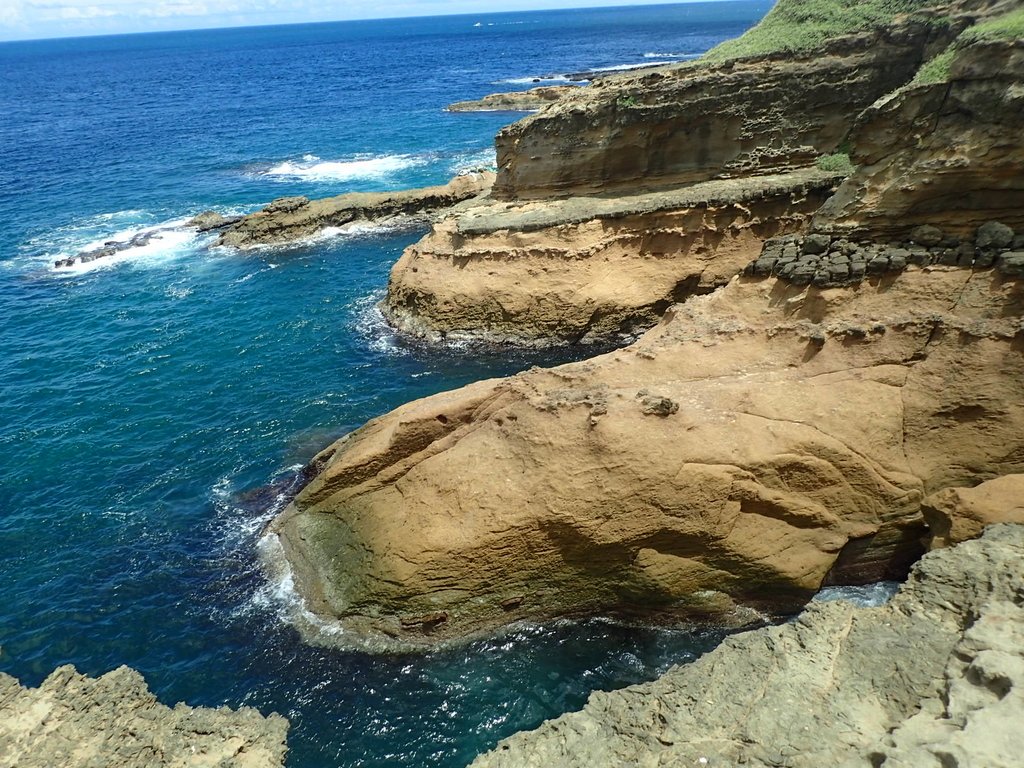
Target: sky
[(30, 19)]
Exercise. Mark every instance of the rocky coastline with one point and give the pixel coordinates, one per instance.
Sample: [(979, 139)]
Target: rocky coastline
[(72, 720)]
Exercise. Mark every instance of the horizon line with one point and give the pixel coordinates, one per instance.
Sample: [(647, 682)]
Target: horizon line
[(618, 4)]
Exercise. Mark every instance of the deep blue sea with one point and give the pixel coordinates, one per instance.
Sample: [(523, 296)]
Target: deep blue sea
[(145, 396)]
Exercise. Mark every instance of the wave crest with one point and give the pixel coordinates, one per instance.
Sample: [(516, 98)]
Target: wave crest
[(312, 168)]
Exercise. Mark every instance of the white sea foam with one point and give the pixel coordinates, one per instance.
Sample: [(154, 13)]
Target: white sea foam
[(164, 245), (535, 80), (312, 168), (681, 56), (868, 596), (473, 161)]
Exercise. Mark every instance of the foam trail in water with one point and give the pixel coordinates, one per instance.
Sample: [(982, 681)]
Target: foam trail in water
[(312, 168), (868, 596)]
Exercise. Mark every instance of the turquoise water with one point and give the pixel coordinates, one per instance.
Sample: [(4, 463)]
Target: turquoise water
[(145, 397)]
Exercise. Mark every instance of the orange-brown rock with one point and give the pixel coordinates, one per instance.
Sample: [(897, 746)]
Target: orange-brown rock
[(590, 269), (761, 441), (960, 514)]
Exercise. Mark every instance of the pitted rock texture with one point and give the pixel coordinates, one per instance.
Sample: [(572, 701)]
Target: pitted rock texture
[(947, 154), (829, 262), (72, 720), (291, 218), (933, 679), (590, 269), (761, 441)]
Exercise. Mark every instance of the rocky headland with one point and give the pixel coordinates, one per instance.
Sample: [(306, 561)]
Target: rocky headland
[(76, 721), (821, 364)]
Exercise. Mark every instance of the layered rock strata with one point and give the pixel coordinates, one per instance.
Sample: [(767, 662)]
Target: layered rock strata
[(292, 218), (72, 720), (760, 442), (934, 678), (590, 269), (945, 153), (684, 124)]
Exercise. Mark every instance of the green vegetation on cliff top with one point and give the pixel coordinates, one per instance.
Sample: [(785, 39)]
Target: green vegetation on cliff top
[(1009, 26), (799, 25)]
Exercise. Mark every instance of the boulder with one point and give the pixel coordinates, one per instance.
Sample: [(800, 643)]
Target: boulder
[(993, 234), (959, 514)]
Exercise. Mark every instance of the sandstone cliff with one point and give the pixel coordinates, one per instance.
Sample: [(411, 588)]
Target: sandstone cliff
[(72, 720), (585, 269), (933, 679), (944, 153), (609, 206), (762, 441)]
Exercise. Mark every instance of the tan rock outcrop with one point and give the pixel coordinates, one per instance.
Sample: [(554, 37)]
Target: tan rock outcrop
[(761, 441), (959, 514), (292, 218), (72, 720), (590, 269), (935, 678), (947, 153), (515, 101)]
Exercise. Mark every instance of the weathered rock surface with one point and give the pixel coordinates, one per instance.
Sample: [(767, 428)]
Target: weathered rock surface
[(72, 720), (935, 678), (515, 101), (684, 124), (207, 221), (763, 440), (292, 218), (590, 269), (947, 154), (959, 514)]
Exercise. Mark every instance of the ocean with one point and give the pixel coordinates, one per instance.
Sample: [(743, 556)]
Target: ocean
[(148, 396)]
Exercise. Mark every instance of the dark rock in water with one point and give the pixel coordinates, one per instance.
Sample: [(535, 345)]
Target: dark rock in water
[(993, 235), (926, 235), (109, 248)]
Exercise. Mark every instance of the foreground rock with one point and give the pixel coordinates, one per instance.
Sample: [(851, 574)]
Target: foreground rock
[(515, 101), (762, 441), (935, 678), (582, 270), (72, 720), (292, 218)]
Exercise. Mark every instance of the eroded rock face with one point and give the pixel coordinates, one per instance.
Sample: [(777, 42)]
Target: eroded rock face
[(586, 269), (761, 441), (681, 125), (935, 678), (947, 154), (72, 720), (960, 514), (290, 218)]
